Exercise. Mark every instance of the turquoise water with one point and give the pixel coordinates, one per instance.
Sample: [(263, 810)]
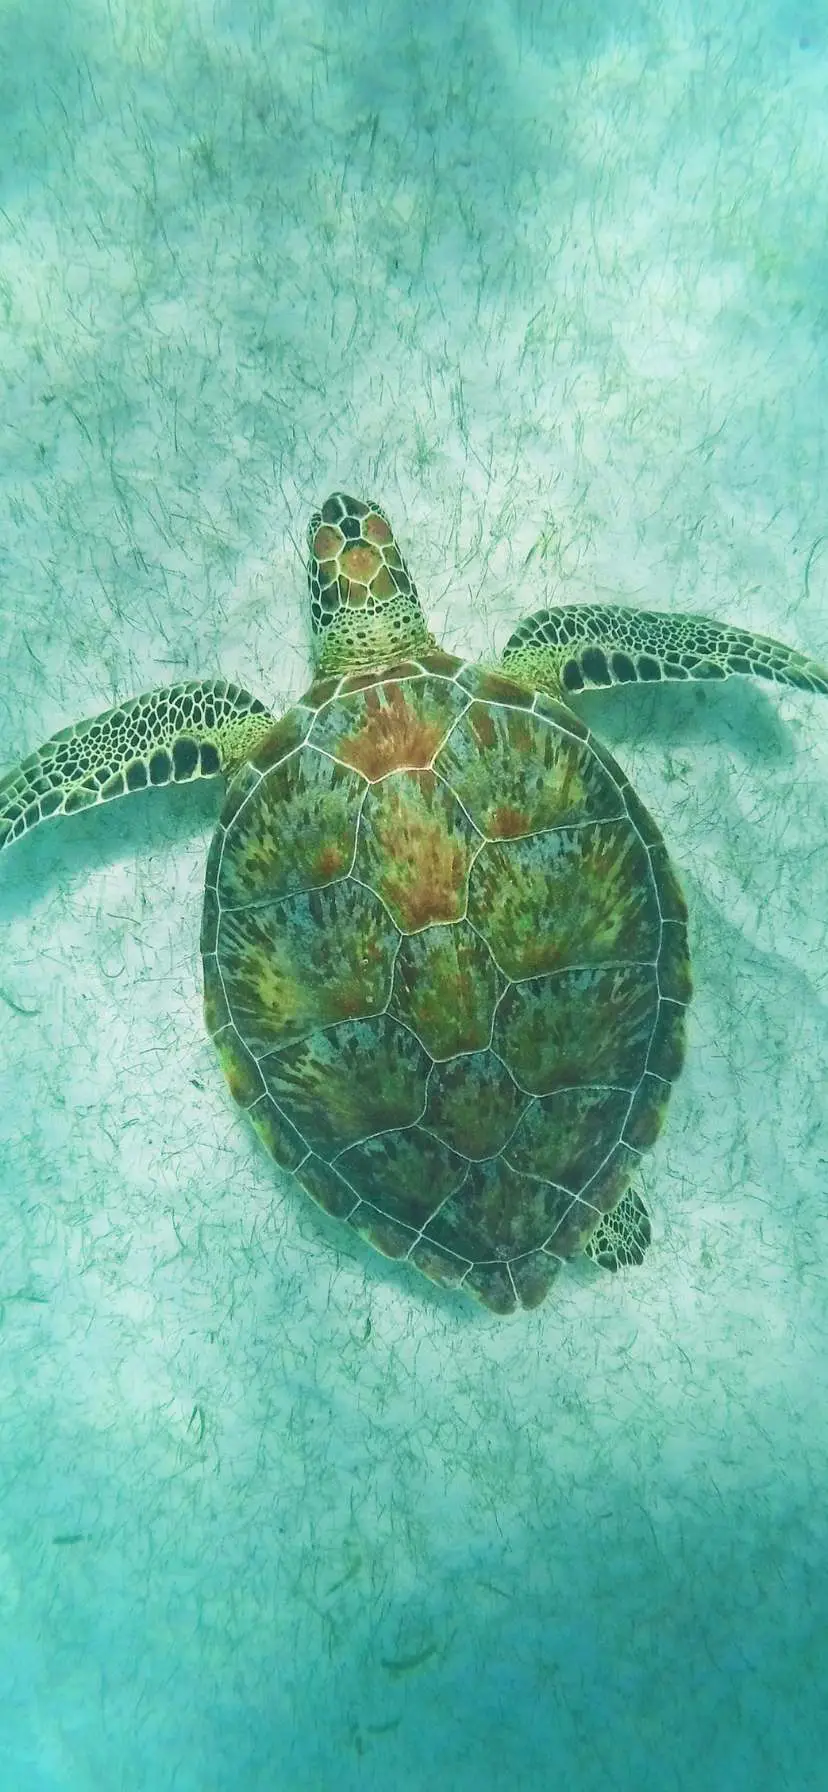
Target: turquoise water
[(549, 281)]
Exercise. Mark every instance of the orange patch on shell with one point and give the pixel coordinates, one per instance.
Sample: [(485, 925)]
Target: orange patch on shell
[(329, 863), (415, 849), (393, 734), (506, 823)]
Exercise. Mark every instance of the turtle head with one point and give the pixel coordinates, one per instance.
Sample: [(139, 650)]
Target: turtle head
[(364, 605)]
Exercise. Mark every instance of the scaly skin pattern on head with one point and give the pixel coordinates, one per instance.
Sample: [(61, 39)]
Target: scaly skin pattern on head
[(364, 605)]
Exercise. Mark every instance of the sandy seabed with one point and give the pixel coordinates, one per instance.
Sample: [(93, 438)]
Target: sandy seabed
[(548, 281)]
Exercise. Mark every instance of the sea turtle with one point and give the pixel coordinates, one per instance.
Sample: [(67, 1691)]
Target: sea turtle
[(445, 953)]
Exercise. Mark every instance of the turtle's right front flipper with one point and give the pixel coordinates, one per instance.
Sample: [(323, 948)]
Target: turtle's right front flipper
[(198, 730), (589, 645)]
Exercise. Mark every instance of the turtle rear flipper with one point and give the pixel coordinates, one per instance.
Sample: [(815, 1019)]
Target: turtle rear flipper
[(197, 730), (621, 1238)]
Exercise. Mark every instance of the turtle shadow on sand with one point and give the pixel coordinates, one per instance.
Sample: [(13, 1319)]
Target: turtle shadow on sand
[(662, 717), (107, 836)]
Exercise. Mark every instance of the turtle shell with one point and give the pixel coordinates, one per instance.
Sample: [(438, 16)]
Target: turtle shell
[(446, 969)]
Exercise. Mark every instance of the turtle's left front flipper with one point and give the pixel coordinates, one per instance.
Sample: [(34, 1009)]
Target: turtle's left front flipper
[(590, 645), (196, 730)]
